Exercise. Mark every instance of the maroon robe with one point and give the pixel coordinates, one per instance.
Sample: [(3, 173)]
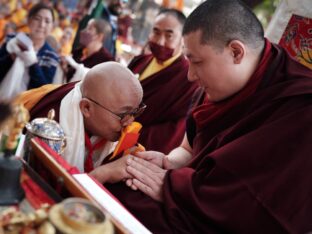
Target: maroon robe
[(51, 100), (101, 56), (251, 169), (167, 95)]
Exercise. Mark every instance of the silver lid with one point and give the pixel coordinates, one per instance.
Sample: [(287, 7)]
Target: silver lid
[(46, 127)]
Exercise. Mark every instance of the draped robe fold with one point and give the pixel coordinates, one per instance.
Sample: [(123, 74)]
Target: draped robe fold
[(167, 95), (51, 100), (251, 167)]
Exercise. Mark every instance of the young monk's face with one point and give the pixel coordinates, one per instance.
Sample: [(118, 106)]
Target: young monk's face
[(214, 69)]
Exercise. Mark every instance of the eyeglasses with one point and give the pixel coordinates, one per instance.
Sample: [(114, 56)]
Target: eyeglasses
[(122, 116)]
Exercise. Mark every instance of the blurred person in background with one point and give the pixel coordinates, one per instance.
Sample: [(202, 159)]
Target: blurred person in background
[(32, 65), (9, 31), (109, 11), (91, 52), (66, 41)]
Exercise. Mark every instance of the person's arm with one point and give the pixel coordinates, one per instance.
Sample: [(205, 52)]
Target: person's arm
[(112, 172), (179, 156), (42, 72), (41, 75)]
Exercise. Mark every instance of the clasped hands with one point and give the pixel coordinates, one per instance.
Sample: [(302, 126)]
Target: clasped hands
[(144, 171)]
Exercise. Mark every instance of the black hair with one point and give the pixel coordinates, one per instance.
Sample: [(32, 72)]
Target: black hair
[(223, 21), (175, 13), (38, 7)]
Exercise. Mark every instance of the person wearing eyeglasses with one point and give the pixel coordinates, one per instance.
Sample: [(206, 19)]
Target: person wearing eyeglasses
[(163, 75), (92, 113)]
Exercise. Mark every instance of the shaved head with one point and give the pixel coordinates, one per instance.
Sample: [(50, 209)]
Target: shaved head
[(108, 89), (111, 81)]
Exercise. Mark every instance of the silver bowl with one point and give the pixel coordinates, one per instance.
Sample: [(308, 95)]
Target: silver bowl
[(49, 131)]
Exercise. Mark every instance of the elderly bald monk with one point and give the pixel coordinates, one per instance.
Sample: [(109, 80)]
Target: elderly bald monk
[(93, 112)]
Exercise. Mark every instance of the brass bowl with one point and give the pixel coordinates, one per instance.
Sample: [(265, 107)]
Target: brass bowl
[(77, 215)]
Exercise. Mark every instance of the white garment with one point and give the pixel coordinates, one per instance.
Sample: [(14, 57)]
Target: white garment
[(15, 81), (283, 14), (59, 75), (71, 120), (81, 70)]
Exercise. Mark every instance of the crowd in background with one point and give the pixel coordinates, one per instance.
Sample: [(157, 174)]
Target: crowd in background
[(133, 29)]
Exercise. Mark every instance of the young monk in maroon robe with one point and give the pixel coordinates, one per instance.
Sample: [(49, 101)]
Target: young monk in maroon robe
[(167, 92), (249, 136)]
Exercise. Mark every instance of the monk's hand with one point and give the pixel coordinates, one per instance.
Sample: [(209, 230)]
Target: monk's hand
[(147, 177), (113, 172), (154, 157)]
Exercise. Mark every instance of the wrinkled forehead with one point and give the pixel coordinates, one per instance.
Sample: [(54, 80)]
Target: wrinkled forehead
[(167, 22)]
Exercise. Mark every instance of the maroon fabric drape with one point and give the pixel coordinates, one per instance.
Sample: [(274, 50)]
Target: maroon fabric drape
[(251, 170), (100, 56), (51, 100), (167, 95)]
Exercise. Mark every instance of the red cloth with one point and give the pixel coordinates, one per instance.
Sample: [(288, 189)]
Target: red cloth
[(209, 111), (34, 194), (167, 95), (88, 165), (251, 168), (296, 39), (58, 158)]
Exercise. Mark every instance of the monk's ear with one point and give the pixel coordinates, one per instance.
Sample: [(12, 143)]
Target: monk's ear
[(238, 51), (84, 106)]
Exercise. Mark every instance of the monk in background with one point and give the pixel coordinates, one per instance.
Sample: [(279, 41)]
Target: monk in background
[(163, 75), (248, 134)]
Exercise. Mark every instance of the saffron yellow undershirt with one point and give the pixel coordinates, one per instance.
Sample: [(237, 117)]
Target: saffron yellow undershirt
[(31, 97), (155, 67)]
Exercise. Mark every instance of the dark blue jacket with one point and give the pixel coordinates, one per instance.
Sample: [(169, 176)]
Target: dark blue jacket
[(40, 73)]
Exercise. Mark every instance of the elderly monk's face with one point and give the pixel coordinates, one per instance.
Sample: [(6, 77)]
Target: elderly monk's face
[(109, 90), (105, 112), (214, 69), (167, 32)]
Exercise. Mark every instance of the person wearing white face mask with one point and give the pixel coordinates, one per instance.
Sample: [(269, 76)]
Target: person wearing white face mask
[(31, 65)]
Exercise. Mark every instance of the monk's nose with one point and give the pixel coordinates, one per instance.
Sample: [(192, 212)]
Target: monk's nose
[(128, 121)]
